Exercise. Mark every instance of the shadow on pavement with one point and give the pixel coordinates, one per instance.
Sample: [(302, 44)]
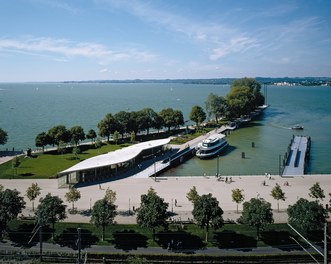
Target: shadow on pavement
[(128, 240), (68, 238), (230, 239)]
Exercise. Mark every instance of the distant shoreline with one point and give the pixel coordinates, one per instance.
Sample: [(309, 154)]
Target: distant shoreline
[(287, 81)]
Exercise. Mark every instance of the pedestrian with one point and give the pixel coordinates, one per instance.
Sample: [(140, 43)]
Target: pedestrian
[(175, 202), (226, 179), (230, 179), (99, 186)]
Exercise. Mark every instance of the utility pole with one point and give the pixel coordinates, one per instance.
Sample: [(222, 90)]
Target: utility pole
[(38, 227), (325, 243), (41, 239), (79, 260)]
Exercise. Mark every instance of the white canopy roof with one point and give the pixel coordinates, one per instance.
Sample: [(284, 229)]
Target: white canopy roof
[(117, 156)]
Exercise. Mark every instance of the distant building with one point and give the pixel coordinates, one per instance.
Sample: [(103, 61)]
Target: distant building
[(114, 163)]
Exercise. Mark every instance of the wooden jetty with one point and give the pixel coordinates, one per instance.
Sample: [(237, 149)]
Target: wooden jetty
[(297, 156)]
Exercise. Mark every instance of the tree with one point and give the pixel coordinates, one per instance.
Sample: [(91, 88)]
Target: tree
[(216, 105), (121, 122), (58, 134), (158, 123), (32, 193), (116, 136), (16, 162), (132, 124), (110, 195), (91, 134), (132, 137), (316, 191), (98, 143), (167, 115), (193, 195), (11, 204), (245, 95), (308, 215), (51, 210), (152, 211), (178, 118), (237, 196), (106, 126), (76, 152), (207, 212), (278, 194), (3, 137), (103, 214), (72, 196), (42, 140), (197, 115), (257, 213), (145, 119), (77, 134)]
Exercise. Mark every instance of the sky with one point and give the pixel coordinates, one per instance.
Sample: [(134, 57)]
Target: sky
[(73, 40)]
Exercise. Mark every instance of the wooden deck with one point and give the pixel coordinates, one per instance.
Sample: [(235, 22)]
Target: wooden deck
[(297, 156)]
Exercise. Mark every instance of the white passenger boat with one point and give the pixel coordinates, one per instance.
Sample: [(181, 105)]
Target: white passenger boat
[(211, 146)]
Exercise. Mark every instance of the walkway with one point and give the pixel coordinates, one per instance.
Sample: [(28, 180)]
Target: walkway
[(295, 164)]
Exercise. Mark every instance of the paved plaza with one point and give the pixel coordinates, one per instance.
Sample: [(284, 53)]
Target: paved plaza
[(174, 189)]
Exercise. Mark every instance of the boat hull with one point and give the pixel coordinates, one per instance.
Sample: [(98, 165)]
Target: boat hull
[(212, 154)]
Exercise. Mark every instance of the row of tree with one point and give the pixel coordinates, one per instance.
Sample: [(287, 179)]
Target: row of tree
[(153, 211), (121, 123)]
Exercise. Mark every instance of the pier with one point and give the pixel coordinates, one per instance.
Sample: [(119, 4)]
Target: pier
[(297, 156)]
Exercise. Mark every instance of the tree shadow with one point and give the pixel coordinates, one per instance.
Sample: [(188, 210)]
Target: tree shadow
[(184, 241), (69, 236), (231, 239), (315, 236), (279, 239), (128, 240), (23, 234)]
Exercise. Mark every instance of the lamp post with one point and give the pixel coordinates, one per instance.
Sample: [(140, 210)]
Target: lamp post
[(129, 207), (154, 168), (218, 159), (279, 165)]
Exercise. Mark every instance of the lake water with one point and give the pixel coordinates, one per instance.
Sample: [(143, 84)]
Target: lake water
[(28, 109)]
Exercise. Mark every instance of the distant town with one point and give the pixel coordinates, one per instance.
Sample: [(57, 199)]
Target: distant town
[(281, 81)]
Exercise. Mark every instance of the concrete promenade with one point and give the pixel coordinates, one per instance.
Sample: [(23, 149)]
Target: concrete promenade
[(174, 189)]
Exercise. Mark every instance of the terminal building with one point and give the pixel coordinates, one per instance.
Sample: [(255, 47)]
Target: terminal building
[(115, 163)]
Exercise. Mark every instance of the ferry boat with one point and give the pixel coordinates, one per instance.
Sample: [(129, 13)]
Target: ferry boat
[(211, 146)]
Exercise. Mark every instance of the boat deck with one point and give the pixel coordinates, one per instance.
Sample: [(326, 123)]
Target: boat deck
[(295, 164)]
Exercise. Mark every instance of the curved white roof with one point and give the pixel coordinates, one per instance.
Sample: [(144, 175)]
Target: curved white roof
[(117, 156)]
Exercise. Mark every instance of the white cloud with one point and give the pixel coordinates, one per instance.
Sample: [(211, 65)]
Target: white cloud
[(103, 70), (221, 38), (68, 49)]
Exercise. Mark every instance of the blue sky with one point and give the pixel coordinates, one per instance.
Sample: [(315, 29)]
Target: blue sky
[(59, 40)]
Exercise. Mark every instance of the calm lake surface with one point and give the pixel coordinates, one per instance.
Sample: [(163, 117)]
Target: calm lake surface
[(28, 109)]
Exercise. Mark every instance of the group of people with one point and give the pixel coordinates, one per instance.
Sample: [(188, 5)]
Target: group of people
[(227, 179)]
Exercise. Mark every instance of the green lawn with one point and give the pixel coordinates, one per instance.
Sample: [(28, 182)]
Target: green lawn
[(47, 165), (133, 236)]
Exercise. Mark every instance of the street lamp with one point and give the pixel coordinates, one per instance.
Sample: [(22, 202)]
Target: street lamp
[(218, 159), (154, 168)]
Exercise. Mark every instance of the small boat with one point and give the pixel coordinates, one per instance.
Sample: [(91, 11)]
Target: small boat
[(211, 146), (297, 127)]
